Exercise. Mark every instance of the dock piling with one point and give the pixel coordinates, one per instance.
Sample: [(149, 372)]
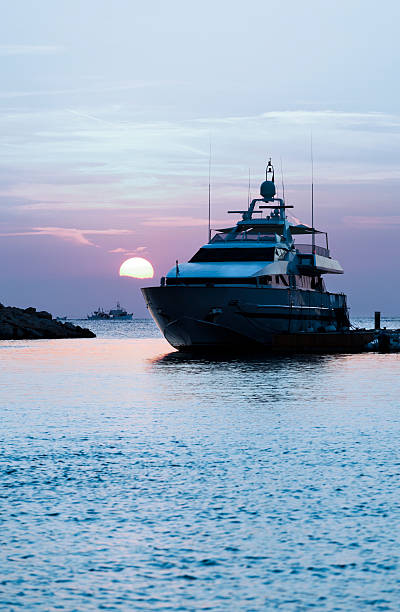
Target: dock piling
[(377, 319)]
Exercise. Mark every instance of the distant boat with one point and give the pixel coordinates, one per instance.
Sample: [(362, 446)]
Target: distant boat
[(115, 314), (120, 314), (98, 314)]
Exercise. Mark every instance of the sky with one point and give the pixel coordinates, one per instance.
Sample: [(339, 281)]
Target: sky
[(107, 114)]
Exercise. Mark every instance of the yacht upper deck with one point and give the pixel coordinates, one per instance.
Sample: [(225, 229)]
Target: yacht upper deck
[(261, 243)]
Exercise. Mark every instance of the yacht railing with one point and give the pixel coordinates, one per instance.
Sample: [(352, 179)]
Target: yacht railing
[(307, 249)]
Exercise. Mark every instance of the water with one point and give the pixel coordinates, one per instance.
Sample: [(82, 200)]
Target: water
[(134, 478)]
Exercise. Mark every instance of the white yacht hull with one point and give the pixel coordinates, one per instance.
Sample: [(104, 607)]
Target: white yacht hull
[(241, 317)]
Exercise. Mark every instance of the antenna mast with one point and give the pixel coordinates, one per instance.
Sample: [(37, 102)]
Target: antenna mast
[(209, 194), (312, 195), (283, 184)]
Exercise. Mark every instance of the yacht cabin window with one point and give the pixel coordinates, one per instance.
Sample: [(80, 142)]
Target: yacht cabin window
[(235, 254)]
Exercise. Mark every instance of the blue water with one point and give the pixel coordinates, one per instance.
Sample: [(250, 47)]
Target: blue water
[(134, 478)]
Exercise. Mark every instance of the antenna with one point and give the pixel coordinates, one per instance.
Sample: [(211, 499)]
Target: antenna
[(248, 193), (209, 193), (283, 184), (312, 194)]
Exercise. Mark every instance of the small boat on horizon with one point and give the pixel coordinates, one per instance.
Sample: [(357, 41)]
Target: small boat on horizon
[(115, 314), (99, 314), (120, 314)]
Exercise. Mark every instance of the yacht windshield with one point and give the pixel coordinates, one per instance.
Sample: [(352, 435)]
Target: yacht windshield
[(234, 254), (246, 235)]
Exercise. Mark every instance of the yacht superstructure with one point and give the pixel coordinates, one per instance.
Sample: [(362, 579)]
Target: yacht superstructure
[(251, 283)]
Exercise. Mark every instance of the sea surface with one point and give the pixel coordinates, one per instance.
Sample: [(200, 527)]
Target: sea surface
[(136, 478)]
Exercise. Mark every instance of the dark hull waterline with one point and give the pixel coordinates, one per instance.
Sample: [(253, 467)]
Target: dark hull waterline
[(248, 319), (185, 334)]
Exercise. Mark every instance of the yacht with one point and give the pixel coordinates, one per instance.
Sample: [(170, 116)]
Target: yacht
[(253, 285)]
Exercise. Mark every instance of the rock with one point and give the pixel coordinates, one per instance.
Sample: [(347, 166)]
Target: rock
[(6, 331), (27, 324), (33, 334), (42, 314), (18, 333)]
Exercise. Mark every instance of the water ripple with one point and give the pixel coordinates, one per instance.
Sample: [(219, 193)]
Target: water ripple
[(134, 478)]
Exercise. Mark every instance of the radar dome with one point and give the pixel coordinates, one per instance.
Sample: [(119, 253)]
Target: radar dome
[(267, 190)]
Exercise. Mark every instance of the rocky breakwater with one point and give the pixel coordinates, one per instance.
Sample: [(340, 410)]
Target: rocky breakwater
[(28, 324)]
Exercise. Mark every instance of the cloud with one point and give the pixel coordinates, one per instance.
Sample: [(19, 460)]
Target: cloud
[(371, 222), (30, 49), (140, 162), (137, 251), (78, 236), (95, 89), (93, 118), (294, 219), (303, 117), (181, 222)]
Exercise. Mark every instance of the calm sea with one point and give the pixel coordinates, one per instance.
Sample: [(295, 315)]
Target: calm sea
[(135, 478)]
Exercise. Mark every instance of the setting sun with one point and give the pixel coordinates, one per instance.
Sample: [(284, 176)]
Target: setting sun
[(137, 267)]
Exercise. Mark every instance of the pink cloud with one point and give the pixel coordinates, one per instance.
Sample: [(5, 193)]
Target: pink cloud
[(182, 222), (368, 222), (78, 236), (140, 249)]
